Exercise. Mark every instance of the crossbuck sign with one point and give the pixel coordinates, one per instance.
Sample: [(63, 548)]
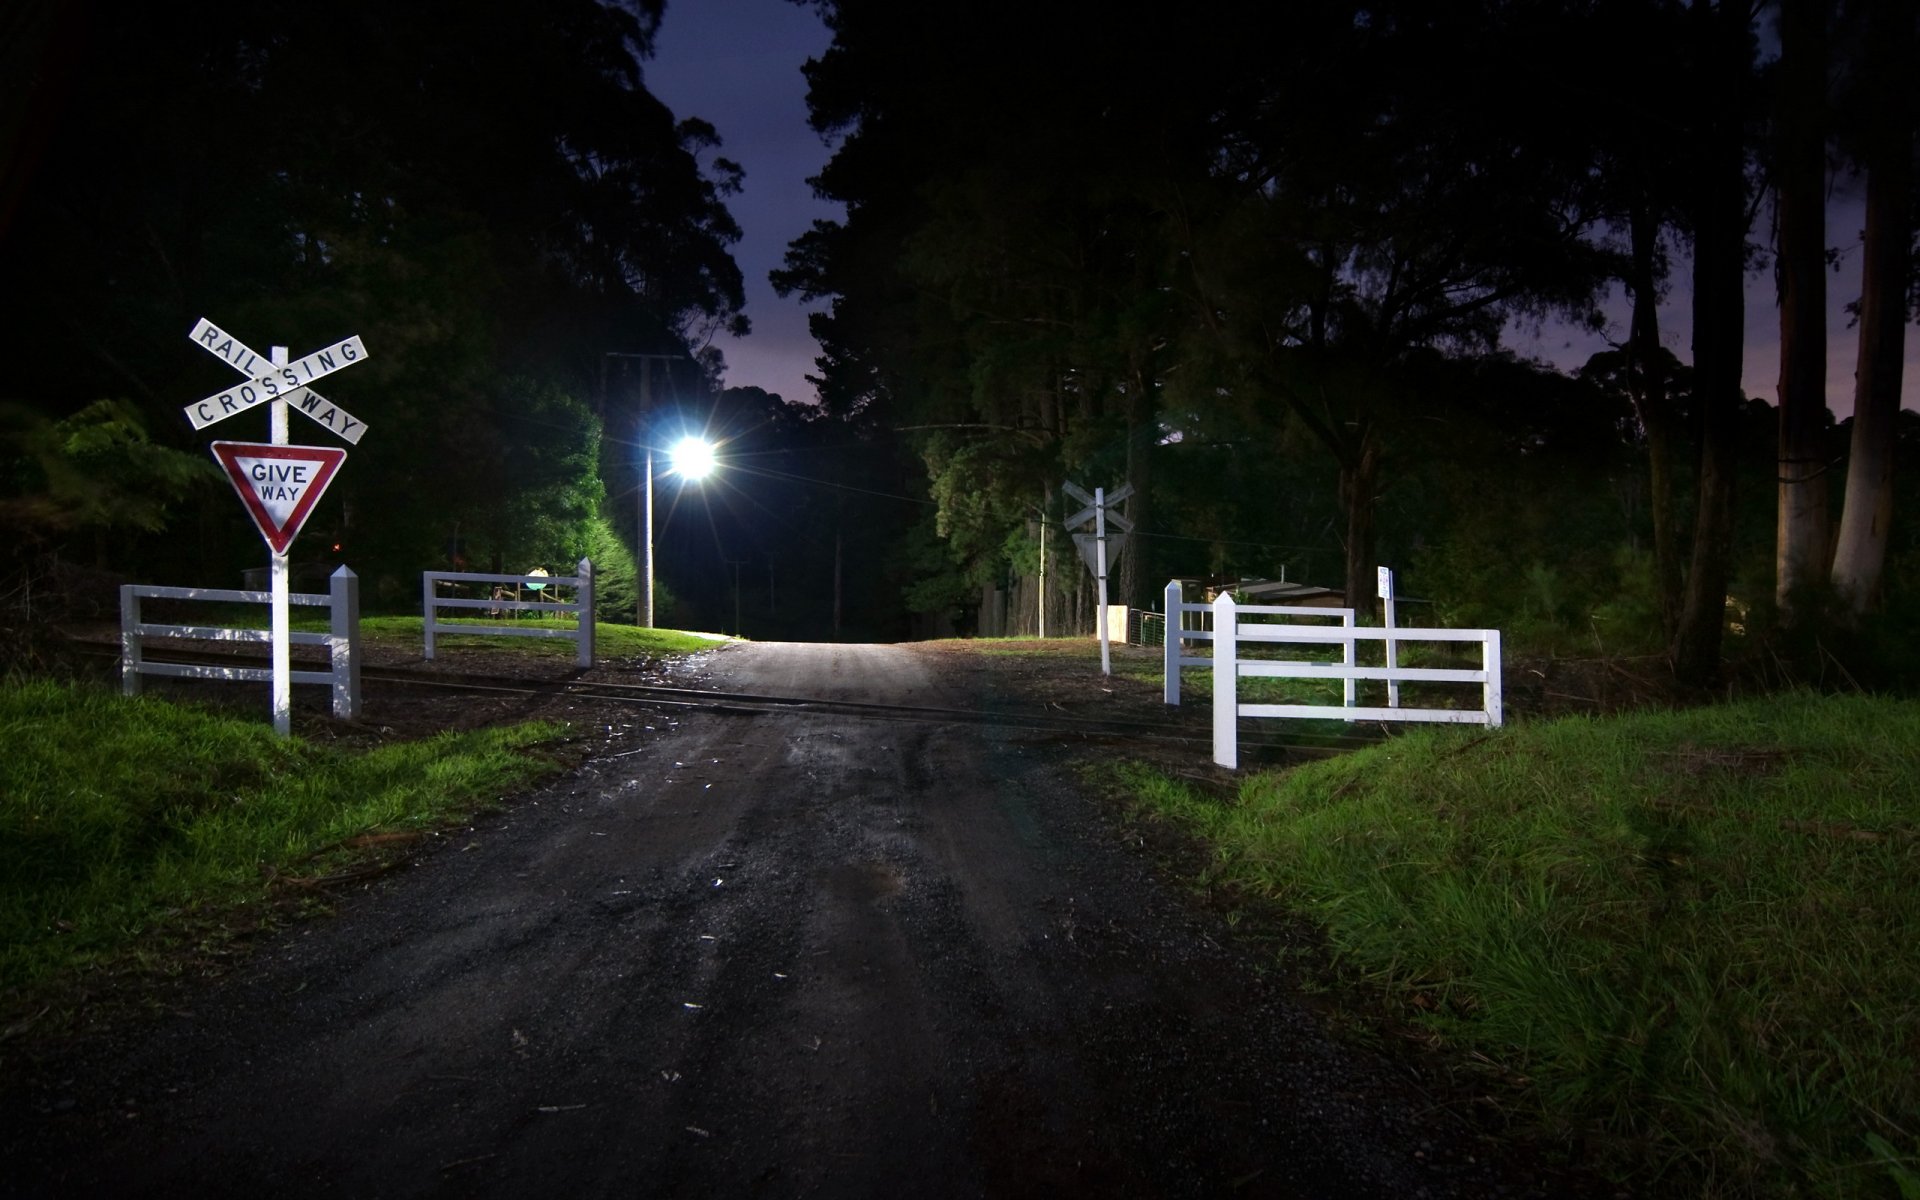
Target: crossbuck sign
[(267, 381), (279, 483), (1095, 549)]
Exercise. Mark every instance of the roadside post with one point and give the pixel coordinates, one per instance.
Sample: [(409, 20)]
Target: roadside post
[(1393, 659), (1095, 550), (278, 483)]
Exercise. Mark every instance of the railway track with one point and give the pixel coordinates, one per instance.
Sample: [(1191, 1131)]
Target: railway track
[(664, 698)]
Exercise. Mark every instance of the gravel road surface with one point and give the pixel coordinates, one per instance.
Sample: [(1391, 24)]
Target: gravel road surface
[(778, 954)]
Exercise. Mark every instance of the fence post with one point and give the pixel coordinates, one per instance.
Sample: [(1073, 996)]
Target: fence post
[(1490, 690), (129, 640), (1346, 659), (1226, 678), (1171, 642), (426, 609), (583, 596), (1392, 650), (343, 609)]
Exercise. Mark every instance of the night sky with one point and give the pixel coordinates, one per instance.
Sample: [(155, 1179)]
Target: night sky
[(737, 64)]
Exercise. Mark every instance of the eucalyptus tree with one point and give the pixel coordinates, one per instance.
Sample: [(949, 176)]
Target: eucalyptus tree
[(1664, 95), (1800, 128), (1373, 200), (1000, 284), (1623, 90), (1880, 139), (1718, 208)]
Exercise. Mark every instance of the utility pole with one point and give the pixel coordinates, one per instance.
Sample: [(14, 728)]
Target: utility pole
[(643, 603), (1043, 573)]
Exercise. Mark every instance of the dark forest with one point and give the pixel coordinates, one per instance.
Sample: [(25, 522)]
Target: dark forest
[(1261, 270)]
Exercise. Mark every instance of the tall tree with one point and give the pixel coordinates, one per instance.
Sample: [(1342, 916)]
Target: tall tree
[(998, 282), (1383, 204), (1644, 159), (1886, 152), (1800, 162), (1719, 214), (481, 190)]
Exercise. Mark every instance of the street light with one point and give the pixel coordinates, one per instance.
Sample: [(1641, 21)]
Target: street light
[(692, 458)]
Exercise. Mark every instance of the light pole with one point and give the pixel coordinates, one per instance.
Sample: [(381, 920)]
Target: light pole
[(643, 603)]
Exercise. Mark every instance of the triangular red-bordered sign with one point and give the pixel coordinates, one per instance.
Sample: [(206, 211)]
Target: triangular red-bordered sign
[(279, 484)]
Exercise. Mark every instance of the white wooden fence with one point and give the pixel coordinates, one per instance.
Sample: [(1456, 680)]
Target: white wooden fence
[(581, 606), (1185, 621), (1229, 632), (342, 641)]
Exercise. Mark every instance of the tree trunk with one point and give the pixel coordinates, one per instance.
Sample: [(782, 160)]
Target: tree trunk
[(1720, 227), (1137, 588), (1647, 384), (1860, 552), (1359, 479), (1800, 543)]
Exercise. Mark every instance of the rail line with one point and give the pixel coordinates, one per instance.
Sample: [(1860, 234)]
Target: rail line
[(753, 704)]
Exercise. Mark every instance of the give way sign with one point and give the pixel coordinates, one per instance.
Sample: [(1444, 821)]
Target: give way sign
[(278, 484)]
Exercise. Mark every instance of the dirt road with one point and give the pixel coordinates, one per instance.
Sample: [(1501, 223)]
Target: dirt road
[(745, 955)]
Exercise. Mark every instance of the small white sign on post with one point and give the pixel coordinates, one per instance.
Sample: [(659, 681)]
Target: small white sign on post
[(1392, 651)]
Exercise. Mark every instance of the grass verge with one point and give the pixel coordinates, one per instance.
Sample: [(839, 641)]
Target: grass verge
[(125, 824), (610, 641), (1694, 936)]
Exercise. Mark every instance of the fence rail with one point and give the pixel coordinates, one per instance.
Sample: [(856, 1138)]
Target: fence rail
[(581, 606), (1193, 623), (342, 600), (1229, 632)]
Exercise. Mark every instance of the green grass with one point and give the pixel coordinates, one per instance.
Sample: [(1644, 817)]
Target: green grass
[(1697, 934), (123, 822), (610, 640)]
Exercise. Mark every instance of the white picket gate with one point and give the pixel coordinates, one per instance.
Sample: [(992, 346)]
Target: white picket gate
[(342, 641), (1229, 632), (581, 606)]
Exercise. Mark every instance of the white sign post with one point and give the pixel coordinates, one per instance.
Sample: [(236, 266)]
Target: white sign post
[(278, 483), (1386, 604), (1093, 547)]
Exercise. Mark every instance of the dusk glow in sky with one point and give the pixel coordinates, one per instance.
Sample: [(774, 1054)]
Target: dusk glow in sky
[(1568, 348), (736, 63)]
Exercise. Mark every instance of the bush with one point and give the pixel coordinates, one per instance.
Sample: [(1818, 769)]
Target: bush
[(615, 578)]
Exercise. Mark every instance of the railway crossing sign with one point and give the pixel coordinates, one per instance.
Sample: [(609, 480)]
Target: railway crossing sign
[(268, 381), (1099, 512), (1100, 548), (278, 484)]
